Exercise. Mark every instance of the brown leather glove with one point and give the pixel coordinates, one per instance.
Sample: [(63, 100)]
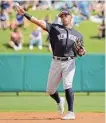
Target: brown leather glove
[(79, 48)]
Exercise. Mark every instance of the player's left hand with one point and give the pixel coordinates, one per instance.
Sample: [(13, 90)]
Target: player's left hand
[(79, 48), (81, 51)]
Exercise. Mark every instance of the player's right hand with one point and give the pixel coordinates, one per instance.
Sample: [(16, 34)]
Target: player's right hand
[(19, 9)]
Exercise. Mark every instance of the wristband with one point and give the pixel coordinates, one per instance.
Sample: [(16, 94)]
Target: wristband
[(28, 16)]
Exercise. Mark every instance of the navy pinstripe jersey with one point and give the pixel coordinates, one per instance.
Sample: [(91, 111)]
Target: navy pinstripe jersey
[(62, 39)]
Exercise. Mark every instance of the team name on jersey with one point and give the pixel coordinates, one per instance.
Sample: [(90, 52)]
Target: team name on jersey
[(64, 36)]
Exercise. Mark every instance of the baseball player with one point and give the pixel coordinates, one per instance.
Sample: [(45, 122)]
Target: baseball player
[(67, 44)]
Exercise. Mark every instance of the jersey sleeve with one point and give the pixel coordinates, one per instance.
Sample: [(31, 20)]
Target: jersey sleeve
[(48, 27)]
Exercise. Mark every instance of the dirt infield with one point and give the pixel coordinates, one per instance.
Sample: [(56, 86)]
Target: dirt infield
[(32, 117)]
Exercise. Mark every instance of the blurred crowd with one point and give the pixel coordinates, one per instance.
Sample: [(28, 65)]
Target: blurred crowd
[(81, 10)]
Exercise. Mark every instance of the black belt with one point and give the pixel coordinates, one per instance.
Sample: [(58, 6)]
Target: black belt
[(63, 58)]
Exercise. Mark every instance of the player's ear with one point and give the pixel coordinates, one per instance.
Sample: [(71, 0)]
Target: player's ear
[(71, 16)]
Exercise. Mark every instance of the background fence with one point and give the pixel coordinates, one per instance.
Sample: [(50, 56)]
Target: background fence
[(30, 73)]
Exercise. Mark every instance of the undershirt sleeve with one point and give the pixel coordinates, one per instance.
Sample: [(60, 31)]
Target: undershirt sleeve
[(48, 27)]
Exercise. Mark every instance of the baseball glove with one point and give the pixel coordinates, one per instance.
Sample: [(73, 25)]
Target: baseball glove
[(79, 48)]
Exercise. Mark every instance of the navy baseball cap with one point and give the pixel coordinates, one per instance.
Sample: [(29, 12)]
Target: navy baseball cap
[(64, 12)]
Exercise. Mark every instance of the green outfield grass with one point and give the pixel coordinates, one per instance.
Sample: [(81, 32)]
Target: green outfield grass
[(41, 102), (87, 28)]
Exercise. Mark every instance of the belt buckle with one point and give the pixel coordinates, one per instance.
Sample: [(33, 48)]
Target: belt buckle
[(61, 58), (58, 58), (64, 59)]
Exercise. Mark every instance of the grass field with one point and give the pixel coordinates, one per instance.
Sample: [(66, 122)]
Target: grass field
[(41, 102), (87, 28)]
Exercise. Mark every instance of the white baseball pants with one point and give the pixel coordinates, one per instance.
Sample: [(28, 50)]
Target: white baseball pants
[(64, 70)]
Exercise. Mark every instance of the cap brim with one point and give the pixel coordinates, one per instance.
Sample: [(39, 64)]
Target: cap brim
[(64, 12)]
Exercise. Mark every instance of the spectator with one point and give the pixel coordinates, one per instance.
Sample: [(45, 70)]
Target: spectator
[(4, 5), (101, 29), (35, 4), (36, 38), (20, 20), (77, 19), (13, 25), (10, 11), (16, 39), (63, 4), (98, 9), (42, 4), (84, 8), (3, 19)]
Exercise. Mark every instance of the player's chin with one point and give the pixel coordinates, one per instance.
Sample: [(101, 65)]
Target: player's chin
[(65, 23)]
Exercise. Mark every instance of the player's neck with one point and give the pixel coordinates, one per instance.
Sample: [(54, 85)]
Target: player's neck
[(69, 26)]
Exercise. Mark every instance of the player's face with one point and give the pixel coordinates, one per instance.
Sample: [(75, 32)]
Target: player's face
[(66, 19)]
